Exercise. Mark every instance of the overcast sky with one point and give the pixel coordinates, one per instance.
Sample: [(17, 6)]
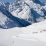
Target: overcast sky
[(14, 0)]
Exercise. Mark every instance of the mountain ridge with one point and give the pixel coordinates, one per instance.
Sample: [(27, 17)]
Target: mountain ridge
[(29, 11), (10, 20)]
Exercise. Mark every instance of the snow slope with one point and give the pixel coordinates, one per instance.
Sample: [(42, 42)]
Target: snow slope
[(35, 31), (33, 35)]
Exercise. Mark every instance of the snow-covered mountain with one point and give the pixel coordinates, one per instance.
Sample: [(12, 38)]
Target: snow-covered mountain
[(7, 20), (22, 13), (28, 10)]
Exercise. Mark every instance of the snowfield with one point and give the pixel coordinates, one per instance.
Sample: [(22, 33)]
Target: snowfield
[(33, 35), (23, 23)]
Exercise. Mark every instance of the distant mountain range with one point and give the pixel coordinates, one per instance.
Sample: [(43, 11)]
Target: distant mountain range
[(21, 13)]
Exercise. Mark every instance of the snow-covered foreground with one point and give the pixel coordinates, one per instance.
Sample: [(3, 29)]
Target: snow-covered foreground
[(33, 35)]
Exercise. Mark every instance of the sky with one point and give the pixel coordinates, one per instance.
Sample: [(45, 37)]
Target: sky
[(14, 0)]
